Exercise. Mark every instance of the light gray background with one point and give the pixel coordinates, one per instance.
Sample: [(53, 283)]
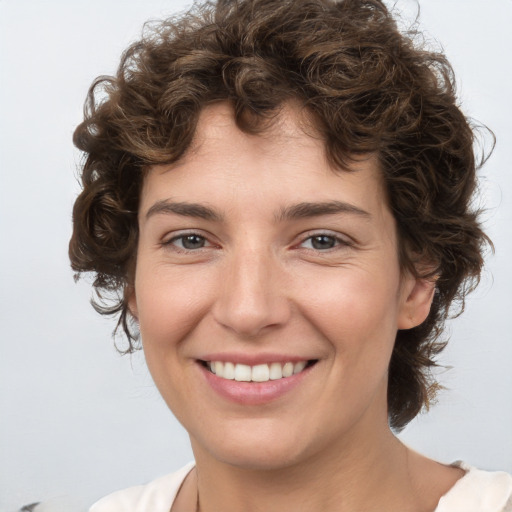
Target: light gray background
[(77, 419)]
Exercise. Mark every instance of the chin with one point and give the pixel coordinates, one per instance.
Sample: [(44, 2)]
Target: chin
[(262, 446), (258, 459)]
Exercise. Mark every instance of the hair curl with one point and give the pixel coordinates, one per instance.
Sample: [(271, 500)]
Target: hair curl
[(369, 88)]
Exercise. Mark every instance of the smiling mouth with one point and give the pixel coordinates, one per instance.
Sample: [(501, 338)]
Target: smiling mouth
[(257, 373)]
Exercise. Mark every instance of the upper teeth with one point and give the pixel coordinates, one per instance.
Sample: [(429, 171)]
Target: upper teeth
[(257, 373)]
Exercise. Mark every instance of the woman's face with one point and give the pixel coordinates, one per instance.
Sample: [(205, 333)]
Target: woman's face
[(255, 253)]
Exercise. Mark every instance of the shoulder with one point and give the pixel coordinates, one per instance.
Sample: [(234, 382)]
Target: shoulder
[(478, 491), (157, 496)]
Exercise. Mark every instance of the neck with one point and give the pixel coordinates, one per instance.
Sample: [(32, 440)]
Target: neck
[(352, 476)]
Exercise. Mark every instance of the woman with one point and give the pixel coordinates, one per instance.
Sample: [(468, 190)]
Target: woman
[(281, 193)]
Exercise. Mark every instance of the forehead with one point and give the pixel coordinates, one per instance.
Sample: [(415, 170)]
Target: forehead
[(286, 163), (291, 123)]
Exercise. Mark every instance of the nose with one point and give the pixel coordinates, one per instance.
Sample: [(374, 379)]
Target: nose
[(252, 298)]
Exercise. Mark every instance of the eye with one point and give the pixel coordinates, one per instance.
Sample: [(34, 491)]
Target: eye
[(323, 242), (189, 241)]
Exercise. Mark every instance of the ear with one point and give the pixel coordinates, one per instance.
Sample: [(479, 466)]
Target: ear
[(417, 296), (131, 300)]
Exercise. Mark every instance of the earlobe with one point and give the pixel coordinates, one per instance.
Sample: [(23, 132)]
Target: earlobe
[(416, 304), (131, 301)]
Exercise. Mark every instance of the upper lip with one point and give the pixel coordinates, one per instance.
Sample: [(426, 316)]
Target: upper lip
[(254, 359)]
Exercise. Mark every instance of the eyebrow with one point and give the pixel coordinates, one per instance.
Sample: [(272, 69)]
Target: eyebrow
[(305, 210), (198, 211), (296, 211)]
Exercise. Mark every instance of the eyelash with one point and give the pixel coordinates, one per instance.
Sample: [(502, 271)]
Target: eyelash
[(182, 237), (338, 242)]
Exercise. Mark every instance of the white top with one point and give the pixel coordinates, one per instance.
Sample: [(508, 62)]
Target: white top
[(476, 491)]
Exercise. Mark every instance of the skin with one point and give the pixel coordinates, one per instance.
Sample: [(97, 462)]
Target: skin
[(257, 282)]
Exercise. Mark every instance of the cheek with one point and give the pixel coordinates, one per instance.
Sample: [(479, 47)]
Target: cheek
[(169, 304), (357, 317), (353, 299)]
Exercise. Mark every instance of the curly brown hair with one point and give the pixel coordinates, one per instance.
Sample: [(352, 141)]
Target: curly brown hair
[(369, 88)]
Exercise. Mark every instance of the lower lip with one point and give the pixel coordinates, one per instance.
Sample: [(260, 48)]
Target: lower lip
[(253, 393)]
